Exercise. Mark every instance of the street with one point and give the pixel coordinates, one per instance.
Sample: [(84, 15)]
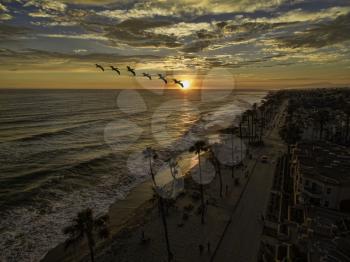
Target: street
[(241, 240)]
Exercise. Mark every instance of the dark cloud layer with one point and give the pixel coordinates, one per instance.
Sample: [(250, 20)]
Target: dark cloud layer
[(9, 32), (252, 32), (334, 32), (34, 57), (132, 32)]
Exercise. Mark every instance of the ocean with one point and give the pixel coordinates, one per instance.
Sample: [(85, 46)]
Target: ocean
[(65, 150)]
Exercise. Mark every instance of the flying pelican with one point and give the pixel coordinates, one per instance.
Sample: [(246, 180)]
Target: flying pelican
[(131, 70), (147, 75), (178, 82), (100, 67), (115, 69), (163, 78)]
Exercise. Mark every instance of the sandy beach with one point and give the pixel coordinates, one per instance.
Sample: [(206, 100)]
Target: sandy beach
[(227, 219)]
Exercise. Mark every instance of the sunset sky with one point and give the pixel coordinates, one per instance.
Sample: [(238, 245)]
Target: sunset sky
[(212, 44)]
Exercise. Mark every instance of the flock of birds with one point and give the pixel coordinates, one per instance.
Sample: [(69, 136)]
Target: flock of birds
[(132, 71)]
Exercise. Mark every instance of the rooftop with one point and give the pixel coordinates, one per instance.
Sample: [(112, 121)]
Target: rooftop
[(334, 246), (325, 161)]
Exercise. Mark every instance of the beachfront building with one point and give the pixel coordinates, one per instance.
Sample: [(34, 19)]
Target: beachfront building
[(320, 235), (296, 231), (321, 175)]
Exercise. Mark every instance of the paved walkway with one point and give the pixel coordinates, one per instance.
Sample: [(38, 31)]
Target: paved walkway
[(242, 238)]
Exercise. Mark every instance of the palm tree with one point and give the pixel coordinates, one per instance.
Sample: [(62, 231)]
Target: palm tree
[(216, 163), (241, 138), (347, 124), (322, 117), (261, 125), (247, 115), (291, 108), (165, 226), (256, 124), (86, 226), (263, 113), (254, 120), (251, 125), (151, 154), (174, 167), (198, 148), (231, 130)]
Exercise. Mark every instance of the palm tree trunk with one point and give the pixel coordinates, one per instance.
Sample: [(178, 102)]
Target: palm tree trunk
[(220, 177), (241, 142), (288, 150), (201, 187), (252, 128), (347, 128), (166, 235), (248, 129), (151, 170), (92, 253), (232, 156)]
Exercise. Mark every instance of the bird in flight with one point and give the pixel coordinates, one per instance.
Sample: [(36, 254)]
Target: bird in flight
[(147, 75), (100, 67), (115, 69), (131, 70), (163, 78), (178, 82)]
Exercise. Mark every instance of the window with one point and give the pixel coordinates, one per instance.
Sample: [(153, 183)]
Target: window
[(306, 182), (326, 203), (329, 190)]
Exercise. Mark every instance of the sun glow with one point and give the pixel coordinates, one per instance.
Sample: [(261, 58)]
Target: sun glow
[(186, 84)]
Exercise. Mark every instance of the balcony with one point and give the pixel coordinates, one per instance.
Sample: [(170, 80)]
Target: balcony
[(313, 192)]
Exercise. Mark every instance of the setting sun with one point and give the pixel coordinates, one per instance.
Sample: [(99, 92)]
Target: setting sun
[(186, 84)]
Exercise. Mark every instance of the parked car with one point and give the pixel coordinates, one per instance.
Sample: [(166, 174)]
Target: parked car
[(264, 159)]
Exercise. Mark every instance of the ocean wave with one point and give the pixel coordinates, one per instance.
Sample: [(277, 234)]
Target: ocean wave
[(96, 181)]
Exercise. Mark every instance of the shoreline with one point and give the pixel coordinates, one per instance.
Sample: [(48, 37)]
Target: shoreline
[(125, 214)]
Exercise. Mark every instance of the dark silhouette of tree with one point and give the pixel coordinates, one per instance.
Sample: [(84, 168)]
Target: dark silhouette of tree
[(173, 166), (347, 121), (86, 226), (322, 117), (151, 154), (174, 170), (292, 106), (254, 112), (231, 131), (247, 116), (198, 148), (216, 163), (165, 226), (261, 128), (241, 138), (263, 113)]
